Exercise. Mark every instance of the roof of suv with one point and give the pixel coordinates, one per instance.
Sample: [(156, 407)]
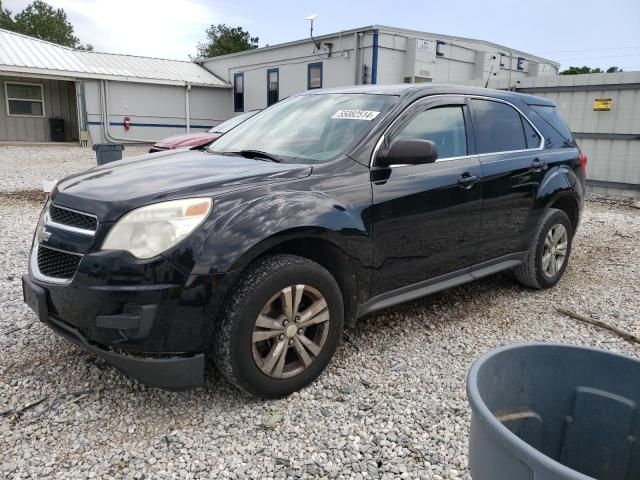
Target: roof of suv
[(418, 90)]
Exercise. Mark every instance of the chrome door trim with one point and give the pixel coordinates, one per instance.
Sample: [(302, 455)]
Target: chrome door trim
[(466, 96)]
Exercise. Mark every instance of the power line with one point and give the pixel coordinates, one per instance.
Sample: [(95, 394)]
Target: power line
[(589, 50), (593, 58)]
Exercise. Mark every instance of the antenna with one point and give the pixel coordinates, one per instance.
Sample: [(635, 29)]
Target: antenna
[(311, 18), (493, 58)]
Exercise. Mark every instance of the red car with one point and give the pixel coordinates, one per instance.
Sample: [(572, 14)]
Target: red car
[(194, 141)]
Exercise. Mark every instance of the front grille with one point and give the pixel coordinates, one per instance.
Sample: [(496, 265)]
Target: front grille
[(72, 219), (57, 264)]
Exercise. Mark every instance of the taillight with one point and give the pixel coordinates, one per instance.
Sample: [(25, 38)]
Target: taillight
[(583, 163)]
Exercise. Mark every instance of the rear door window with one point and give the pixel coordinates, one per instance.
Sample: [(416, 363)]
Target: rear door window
[(498, 127), (550, 115)]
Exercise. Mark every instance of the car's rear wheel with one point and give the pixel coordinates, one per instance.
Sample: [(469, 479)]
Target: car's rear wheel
[(280, 327), (548, 253)]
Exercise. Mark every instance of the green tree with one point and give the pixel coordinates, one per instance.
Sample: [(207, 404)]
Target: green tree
[(576, 70), (41, 20), (6, 21), (585, 69), (222, 39)]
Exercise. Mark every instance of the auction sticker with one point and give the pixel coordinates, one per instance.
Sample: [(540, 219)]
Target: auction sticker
[(367, 115)]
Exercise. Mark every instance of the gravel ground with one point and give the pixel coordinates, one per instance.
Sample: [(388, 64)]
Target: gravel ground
[(391, 405), (25, 167)]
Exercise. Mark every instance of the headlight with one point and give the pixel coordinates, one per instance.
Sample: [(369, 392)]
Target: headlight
[(148, 231)]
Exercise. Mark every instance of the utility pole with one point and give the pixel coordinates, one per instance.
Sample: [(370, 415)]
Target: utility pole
[(510, 67)]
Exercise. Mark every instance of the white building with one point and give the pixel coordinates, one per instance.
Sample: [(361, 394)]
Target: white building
[(375, 54), (95, 96), (102, 97)]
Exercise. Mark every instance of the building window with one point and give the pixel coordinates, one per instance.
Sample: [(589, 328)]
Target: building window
[(273, 86), (520, 64), (314, 75), (24, 99), (502, 55), (238, 92), (439, 48)]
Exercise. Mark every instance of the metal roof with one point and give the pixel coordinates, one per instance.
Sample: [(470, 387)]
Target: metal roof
[(22, 54)]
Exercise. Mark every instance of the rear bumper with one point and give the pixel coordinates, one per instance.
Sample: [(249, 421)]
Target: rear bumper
[(166, 371)]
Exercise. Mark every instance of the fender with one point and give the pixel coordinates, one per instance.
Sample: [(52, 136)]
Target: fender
[(245, 228), (563, 183), (553, 184), (557, 183)]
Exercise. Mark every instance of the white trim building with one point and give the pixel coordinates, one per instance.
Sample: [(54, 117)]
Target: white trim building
[(373, 54), (102, 97)]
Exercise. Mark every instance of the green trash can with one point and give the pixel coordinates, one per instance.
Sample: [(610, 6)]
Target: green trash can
[(108, 152), (554, 412)]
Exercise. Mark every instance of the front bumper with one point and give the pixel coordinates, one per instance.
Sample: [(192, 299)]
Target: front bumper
[(170, 372)]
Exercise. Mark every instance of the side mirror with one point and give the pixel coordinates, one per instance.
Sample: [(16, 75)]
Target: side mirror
[(408, 151)]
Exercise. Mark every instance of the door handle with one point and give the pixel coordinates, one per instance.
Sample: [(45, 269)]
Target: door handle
[(467, 180), (538, 165)]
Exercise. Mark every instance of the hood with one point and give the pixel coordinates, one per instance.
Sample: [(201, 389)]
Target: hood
[(187, 140), (111, 190)]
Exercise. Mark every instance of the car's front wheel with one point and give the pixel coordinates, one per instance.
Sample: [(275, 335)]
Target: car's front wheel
[(549, 251), (280, 327)]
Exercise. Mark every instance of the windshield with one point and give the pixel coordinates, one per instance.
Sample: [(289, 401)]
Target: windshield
[(227, 125), (307, 128)]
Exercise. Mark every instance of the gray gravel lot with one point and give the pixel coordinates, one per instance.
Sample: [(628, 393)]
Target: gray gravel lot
[(391, 405), (25, 167)]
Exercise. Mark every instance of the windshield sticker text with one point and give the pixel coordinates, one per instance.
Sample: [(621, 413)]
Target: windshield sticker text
[(367, 115)]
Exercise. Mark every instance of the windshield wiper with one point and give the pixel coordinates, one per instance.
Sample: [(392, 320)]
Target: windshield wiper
[(259, 154)]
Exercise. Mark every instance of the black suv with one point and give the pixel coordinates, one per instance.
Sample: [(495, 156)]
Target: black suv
[(318, 210)]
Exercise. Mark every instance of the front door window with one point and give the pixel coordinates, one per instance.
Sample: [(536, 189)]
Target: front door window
[(442, 125)]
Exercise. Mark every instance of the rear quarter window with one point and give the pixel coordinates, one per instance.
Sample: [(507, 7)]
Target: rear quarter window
[(550, 115)]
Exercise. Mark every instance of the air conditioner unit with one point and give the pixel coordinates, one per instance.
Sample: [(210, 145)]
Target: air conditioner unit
[(419, 60)]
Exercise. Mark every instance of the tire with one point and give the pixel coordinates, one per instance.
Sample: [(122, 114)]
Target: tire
[(264, 291), (535, 272)]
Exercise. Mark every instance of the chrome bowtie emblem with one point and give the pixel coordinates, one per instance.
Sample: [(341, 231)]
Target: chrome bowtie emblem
[(43, 235)]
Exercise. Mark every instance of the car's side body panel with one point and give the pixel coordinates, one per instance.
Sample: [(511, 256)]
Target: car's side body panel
[(329, 205), (425, 224)]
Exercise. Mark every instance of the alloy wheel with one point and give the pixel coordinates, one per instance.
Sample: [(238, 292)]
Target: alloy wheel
[(290, 331), (554, 253)]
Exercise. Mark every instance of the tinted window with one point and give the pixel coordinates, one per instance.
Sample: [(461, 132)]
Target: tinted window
[(273, 82), (552, 117), (314, 75), (533, 139), (238, 92), (498, 127), (442, 125), (24, 99)]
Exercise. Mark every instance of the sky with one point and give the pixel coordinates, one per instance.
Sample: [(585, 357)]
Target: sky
[(596, 33)]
